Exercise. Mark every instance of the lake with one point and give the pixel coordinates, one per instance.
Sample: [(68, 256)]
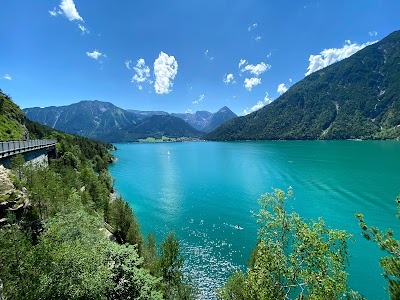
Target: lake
[(201, 190)]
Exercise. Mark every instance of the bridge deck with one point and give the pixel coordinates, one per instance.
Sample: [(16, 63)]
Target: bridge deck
[(14, 147)]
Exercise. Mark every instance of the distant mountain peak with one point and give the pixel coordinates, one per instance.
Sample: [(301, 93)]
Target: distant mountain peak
[(206, 121)]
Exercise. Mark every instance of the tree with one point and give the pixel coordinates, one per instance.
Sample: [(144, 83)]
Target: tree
[(17, 165), (130, 281), (387, 243), (149, 254), (293, 258), (171, 263)]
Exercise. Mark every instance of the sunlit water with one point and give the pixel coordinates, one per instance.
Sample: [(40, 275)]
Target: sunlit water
[(201, 190)]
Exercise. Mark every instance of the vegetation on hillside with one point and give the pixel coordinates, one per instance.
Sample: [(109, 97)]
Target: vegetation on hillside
[(356, 98), (75, 241), (11, 119)]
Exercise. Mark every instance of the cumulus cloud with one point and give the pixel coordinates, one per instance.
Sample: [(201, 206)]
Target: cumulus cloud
[(258, 105), (201, 97), (7, 77), (250, 82), (242, 62), (165, 70), (372, 33), (269, 55), (69, 10), (257, 38), (290, 80), (282, 88), (229, 79), (330, 56), (95, 54), (257, 69), (142, 73)]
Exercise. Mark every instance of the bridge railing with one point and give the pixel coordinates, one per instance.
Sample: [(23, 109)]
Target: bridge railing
[(22, 146)]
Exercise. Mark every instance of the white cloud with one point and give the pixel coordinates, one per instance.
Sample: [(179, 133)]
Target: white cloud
[(53, 12), (188, 111), (372, 33), (95, 54), (201, 97), (206, 54), (127, 64), (250, 82), (330, 56), (290, 80), (269, 55), (165, 70), (229, 79), (69, 10), (7, 77), (255, 107), (252, 26), (83, 29), (257, 38), (282, 88), (267, 99), (257, 69), (142, 73), (258, 105), (242, 62)]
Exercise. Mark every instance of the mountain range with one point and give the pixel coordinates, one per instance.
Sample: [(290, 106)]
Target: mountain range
[(356, 98), (107, 122)]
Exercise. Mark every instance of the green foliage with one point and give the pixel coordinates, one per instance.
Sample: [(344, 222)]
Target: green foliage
[(170, 264), (149, 254), (11, 119), (356, 98), (130, 280), (17, 165), (123, 220), (387, 243), (293, 259)]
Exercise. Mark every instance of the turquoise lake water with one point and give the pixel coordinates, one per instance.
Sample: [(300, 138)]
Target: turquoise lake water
[(202, 189)]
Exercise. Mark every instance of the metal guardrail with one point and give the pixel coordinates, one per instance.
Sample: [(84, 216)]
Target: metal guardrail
[(14, 147)]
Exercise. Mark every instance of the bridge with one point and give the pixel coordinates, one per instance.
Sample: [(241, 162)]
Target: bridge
[(19, 147)]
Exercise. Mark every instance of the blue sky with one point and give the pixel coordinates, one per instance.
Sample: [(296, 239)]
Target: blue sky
[(178, 56)]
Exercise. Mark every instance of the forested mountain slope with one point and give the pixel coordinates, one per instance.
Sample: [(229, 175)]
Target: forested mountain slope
[(354, 98)]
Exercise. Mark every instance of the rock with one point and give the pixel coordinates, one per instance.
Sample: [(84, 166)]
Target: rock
[(6, 186)]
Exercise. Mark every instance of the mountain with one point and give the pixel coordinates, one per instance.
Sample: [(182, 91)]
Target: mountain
[(205, 121), (109, 123), (162, 125), (355, 98), (86, 118)]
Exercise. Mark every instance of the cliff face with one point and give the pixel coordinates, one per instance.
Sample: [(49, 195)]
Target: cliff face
[(11, 200), (6, 186)]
